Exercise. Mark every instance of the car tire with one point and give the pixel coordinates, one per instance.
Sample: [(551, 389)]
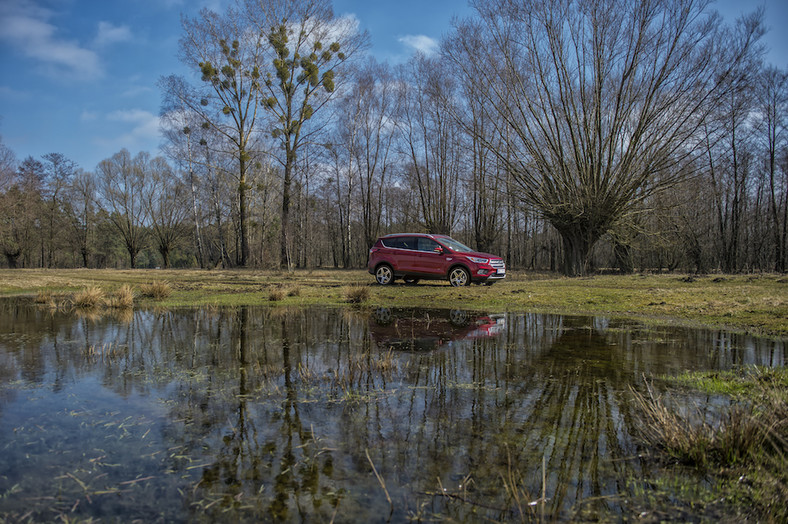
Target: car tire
[(459, 276), (384, 275)]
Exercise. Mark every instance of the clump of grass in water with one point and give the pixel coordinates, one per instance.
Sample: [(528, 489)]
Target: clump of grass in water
[(89, 298), (157, 290), (276, 294), (122, 298), (44, 298), (356, 294), (749, 443)]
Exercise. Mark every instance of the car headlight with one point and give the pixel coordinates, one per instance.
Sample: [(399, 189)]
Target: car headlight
[(476, 260)]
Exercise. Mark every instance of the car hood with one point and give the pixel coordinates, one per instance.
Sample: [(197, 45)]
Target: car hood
[(479, 254)]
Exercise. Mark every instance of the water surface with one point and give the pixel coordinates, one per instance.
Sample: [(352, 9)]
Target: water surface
[(258, 414)]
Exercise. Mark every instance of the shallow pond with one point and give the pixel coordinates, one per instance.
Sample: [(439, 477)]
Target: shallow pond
[(320, 415)]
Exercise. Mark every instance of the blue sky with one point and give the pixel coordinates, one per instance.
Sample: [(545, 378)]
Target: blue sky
[(79, 76)]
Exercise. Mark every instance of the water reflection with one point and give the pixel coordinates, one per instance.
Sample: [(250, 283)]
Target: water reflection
[(270, 414), (424, 330)]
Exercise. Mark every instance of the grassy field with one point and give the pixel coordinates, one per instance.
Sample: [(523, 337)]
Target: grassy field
[(750, 303)]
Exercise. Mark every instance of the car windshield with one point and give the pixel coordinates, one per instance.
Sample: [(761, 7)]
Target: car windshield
[(455, 245)]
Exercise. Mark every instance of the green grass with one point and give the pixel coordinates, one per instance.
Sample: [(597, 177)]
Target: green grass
[(755, 304), (746, 382)]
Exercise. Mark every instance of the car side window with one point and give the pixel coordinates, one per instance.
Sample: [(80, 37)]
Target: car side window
[(426, 244), (408, 242), (393, 242), (400, 242)]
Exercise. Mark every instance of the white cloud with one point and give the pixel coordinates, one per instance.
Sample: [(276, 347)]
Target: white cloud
[(143, 129), (421, 43), (27, 27), (110, 34)]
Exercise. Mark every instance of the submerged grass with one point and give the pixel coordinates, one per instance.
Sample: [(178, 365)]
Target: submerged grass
[(751, 303), (746, 445)]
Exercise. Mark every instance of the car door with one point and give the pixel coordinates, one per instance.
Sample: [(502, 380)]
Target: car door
[(407, 255), (431, 257)]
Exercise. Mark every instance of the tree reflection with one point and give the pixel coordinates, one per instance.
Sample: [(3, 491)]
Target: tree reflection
[(268, 414)]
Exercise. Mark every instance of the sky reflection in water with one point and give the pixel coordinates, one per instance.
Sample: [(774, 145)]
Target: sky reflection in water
[(265, 414)]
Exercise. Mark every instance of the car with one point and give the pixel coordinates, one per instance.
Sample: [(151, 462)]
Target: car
[(416, 256)]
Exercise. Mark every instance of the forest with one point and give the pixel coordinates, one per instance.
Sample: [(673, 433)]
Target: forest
[(572, 136)]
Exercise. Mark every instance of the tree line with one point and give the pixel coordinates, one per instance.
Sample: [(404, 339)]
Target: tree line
[(565, 135)]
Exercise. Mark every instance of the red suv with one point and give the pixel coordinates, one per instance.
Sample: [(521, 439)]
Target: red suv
[(413, 256)]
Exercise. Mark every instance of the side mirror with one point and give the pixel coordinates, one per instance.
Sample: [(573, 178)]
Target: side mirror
[(438, 250)]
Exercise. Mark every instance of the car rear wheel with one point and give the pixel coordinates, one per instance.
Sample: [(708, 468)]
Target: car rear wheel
[(459, 276), (384, 275)]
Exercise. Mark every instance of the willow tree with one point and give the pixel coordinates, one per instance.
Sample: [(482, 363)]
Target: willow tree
[(599, 102), (308, 48)]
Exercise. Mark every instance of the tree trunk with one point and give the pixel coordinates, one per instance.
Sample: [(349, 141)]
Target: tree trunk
[(12, 258), (164, 251), (284, 260), (242, 211), (577, 248)]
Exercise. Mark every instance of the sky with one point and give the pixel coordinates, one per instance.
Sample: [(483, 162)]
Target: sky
[(78, 77)]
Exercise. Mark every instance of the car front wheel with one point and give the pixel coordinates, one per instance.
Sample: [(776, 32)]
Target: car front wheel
[(384, 275), (459, 276)]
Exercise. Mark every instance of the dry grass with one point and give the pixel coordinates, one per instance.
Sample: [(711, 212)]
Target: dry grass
[(357, 294), (157, 290), (122, 298), (44, 297), (89, 298), (276, 294)]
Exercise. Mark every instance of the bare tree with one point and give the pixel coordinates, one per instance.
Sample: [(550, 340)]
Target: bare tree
[(7, 165), (600, 101), (121, 186), (433, 142), (183, 134), (20, 209), (376, 104), (773, 111), (82, 200), (58, 172), (165, 201)]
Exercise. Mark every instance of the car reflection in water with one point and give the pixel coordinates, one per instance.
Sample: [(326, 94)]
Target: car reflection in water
[(426, 330)]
